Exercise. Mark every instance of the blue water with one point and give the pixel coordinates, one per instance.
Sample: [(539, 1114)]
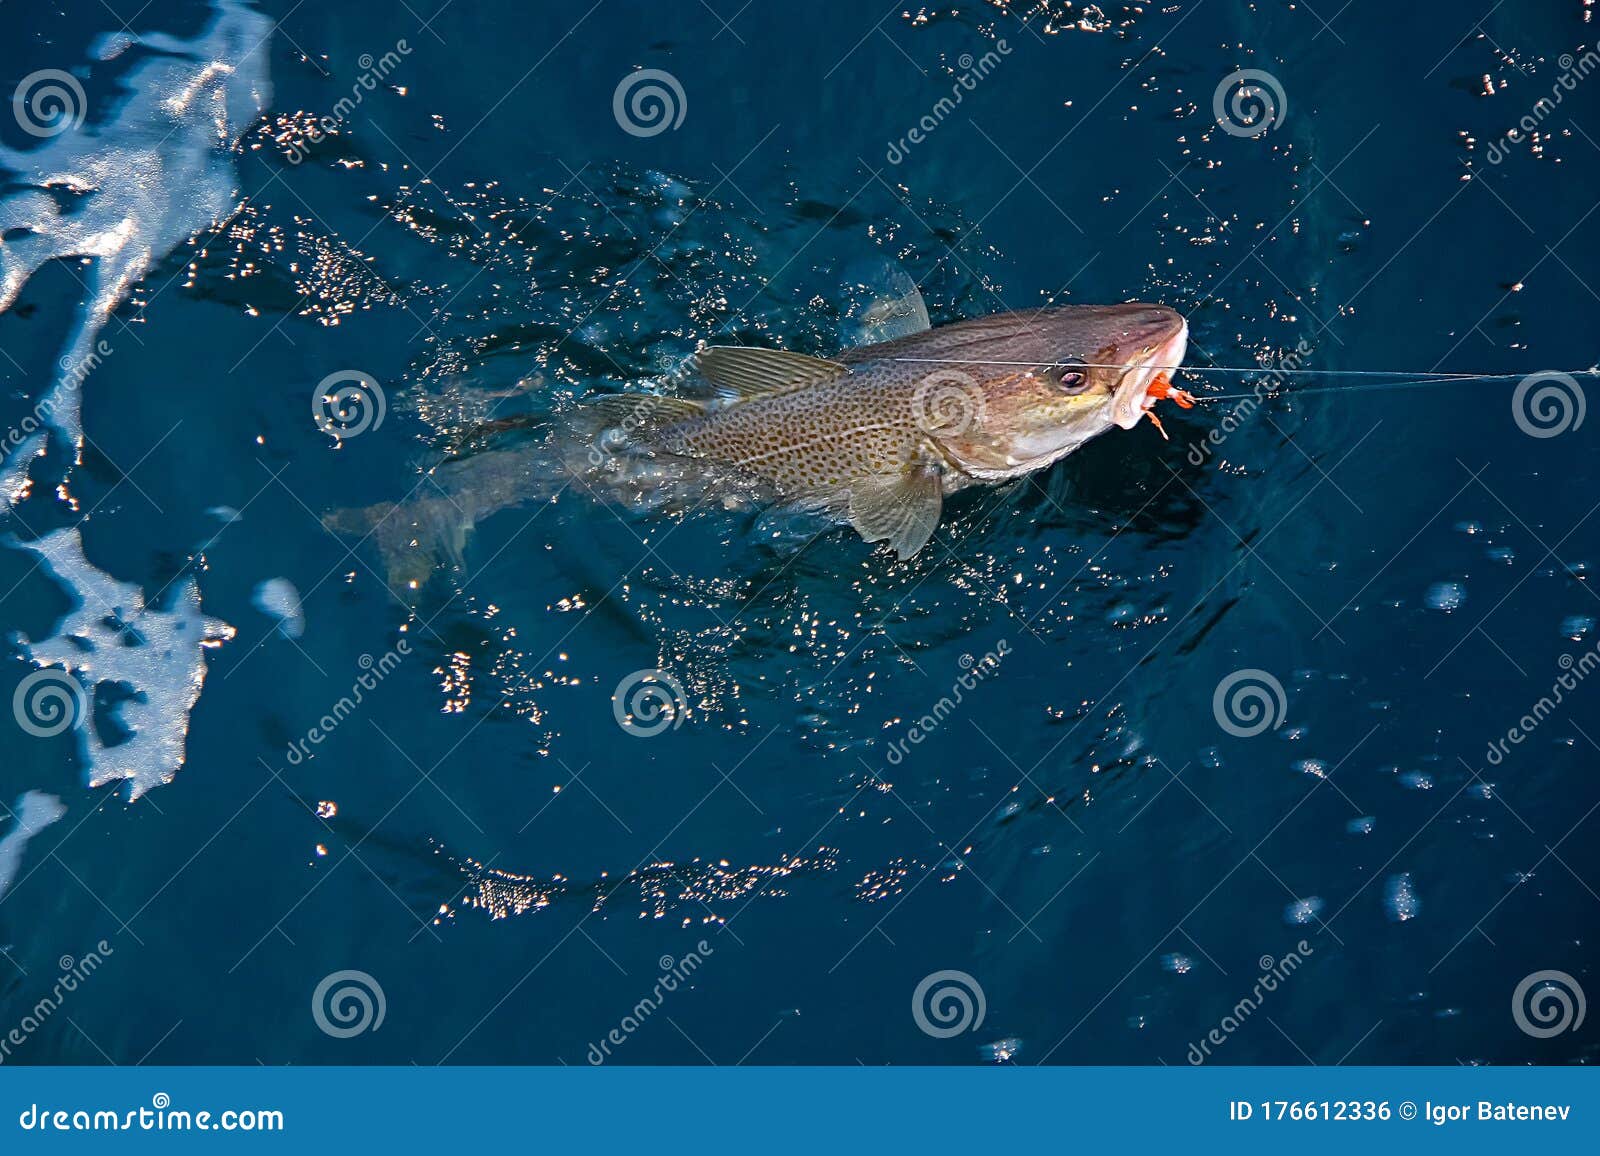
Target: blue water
[(1114, 870)]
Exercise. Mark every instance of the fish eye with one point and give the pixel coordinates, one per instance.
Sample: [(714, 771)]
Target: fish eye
[(1071, 377)]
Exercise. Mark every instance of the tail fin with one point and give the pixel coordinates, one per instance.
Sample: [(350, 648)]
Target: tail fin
[(421, 535), (415, 539)]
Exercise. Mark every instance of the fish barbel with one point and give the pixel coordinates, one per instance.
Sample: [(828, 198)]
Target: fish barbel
[(882, 434)]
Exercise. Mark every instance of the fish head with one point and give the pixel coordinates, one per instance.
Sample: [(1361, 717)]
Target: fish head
[(1018, 391)]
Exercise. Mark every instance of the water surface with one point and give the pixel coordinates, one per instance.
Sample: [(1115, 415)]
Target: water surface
[(450, 205)]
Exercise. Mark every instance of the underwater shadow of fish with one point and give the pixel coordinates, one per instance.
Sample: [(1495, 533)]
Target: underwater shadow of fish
[(426, 534), (1106, 489), (428, 530)]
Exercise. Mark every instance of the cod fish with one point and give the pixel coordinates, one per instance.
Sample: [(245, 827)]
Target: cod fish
[(877, 437), (880, 436)]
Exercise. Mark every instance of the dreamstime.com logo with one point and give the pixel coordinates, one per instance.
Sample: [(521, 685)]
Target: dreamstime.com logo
[(617, 437), (348, 1003), (74, 371), (675, 973), (973, 672), (374, 671), (1248, 102), (348, 403), (1548, 1003), (948, 1003), (649, 102), (49, 702), (648, 702), (1548, 404), (1274, 973), (372, 72), (1573, 671), (972, 71), (1572, 71), (160, 1116), (48, 103), (1249, 702), (73, 974), (1245, 407)]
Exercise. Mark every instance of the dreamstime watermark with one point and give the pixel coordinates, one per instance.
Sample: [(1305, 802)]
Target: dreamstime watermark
[(374, 672), (1245, 407), (348, 403), (1548, 1003), (648, 102), (648, 702), (348, 1003), (74, 372), (49, 702), (948, 403), (48, 103), (74, 972), (974, 671), (616, 437), (160, 1116), (674, 973), (1249, 702), (1548, 404), (1248, 102), (1572, 71), (373, 71), (972, 71), (1273, 973), (948, 1003), (1573, 671)]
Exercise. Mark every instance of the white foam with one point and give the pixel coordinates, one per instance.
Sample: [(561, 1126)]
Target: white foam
[(277, 598), (14, 483), (1303, 910), (112, 45), (34, 811), (112, 636), (145, 179), (1400, 898)]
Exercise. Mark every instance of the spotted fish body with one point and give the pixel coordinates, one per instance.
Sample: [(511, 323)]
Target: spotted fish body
[(882, 434), (814, 440)]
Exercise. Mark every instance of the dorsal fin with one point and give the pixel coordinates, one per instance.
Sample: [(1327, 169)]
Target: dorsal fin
[(750, 372)]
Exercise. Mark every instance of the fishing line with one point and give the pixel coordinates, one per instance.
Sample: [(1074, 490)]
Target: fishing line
[(1414, 380), (1216, 368), (1420, 383)]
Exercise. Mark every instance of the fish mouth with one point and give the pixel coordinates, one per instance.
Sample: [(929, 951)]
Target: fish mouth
[(1132, 397)]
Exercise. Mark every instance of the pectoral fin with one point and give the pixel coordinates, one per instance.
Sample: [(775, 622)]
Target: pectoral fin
[(881, 303), (902, 508)]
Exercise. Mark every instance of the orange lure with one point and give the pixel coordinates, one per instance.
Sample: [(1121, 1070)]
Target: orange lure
[(1161, 388)]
